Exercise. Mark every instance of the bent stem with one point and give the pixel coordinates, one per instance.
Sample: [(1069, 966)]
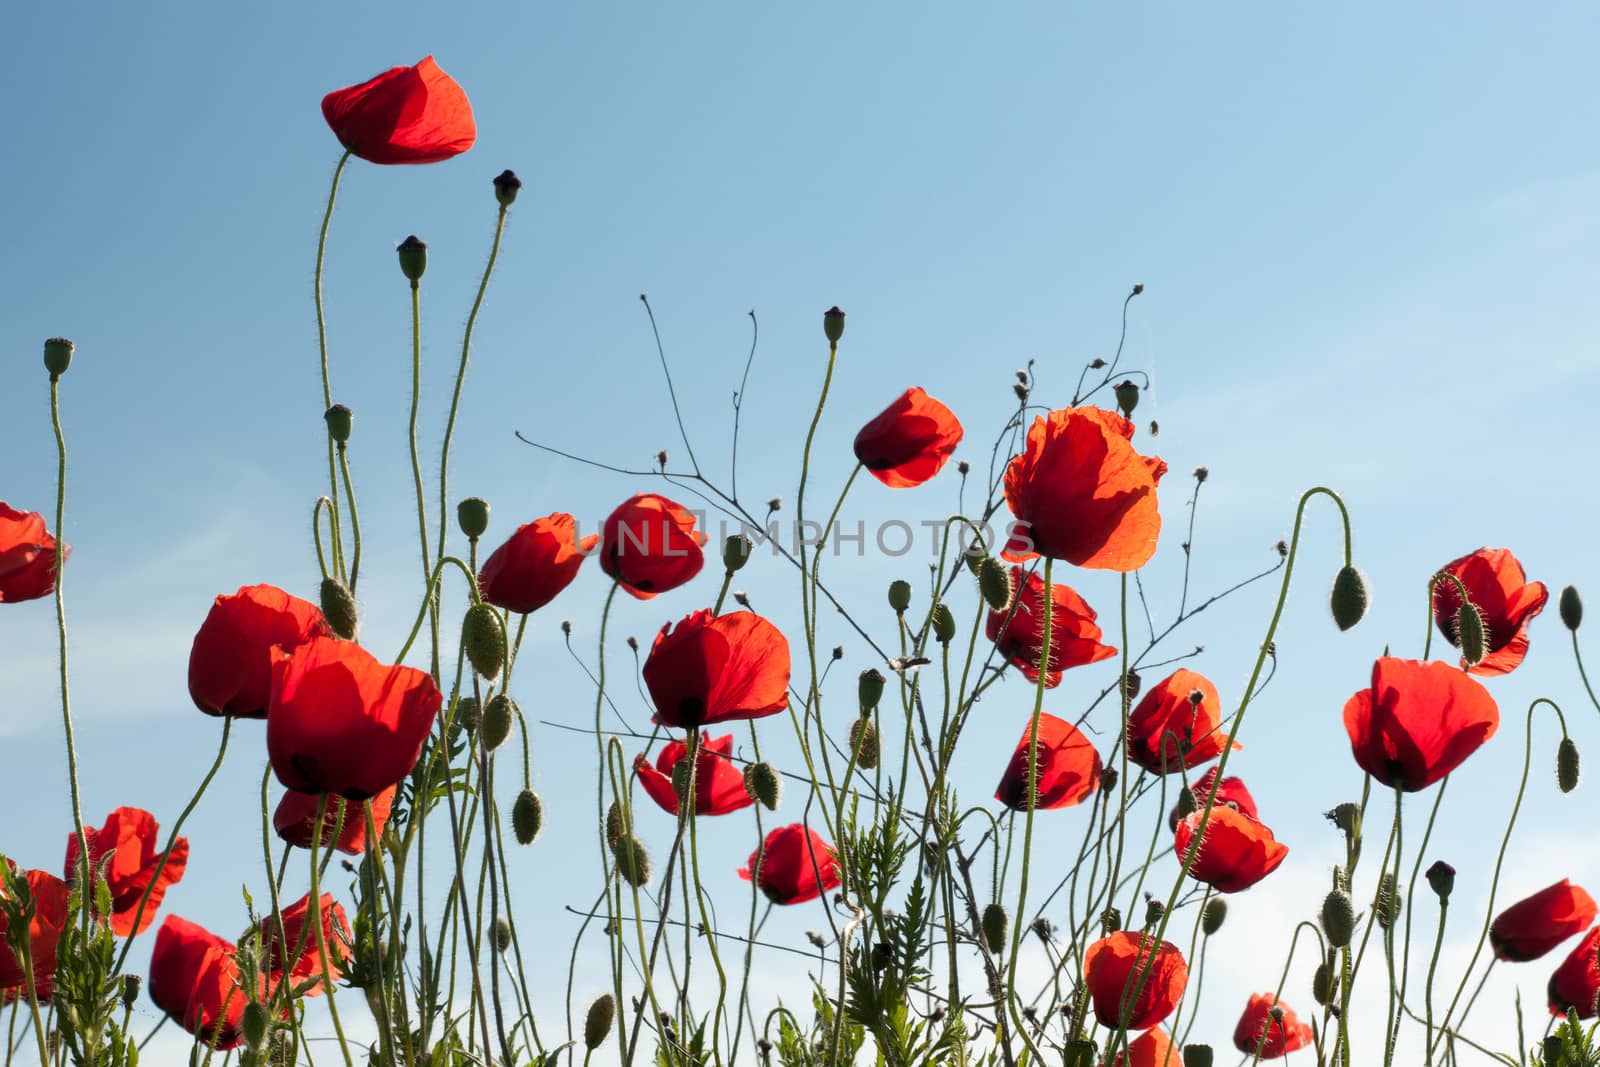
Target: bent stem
[(322, 345)]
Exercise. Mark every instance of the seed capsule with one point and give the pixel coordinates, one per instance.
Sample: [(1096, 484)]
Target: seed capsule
[(1349, 597), (497, 720), (996, 926), (527, 817), (1571, 608), (994, 583), (597, 1024), (1212, 918), (339, 608), (761, 781), (1470, 634), (1567, 766), (484, 639), (1338, 918)]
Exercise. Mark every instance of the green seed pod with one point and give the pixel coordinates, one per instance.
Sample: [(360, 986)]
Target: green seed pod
[(973, 557), (1470, 634), (58, 356), (1323, 984), (736, 552), (900, 595), (1338, 918), (484, 639), (472, 515), (613, 825), (944, 624), (255, 1024), (869, 688), (833, 324), (761, 781), (1127, 397), (506, 187), (1349, 597), (633, 861), (1555, 1054), (996, 927), (1442, 879), (1214, 915), (994, 583), (1387, 907), (413, 253), (340, 421), (864, 743), (1080, 1053), (680, 778), (339, 608), (597, 1024), (497, 720), (502, 933), (527, 817), (1567, 767), (1197, 1056), (1187, 804), (469, 714), (1571, 608)]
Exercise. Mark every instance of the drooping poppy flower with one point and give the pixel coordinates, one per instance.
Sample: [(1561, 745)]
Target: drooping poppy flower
[(1235, 853), (195, 979), (718, 784), (404, 115), (535, 564), (341, 722), (1114, 965), (1067, 768), (27, 556), (295, 820), (1276, 1038), (131, 832), (1177, 724), (1232, 793), (1081, 493), (1019, 634), (910, 441), (1533, 926), (1576, 983), (297, 957), (49, 895), (1417, 722), (649, 545), (714, 668), (797, 865), (1502, 593), (1153, 1048), (230, 665)]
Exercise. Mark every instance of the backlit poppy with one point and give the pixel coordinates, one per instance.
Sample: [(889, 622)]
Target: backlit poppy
[(1576, 983), (1082, 494), (1235, 853), (1275, 1038), (1417, 722), (195, 979), (49, 895), (341, 722), (1019, 634), (404, 115), (230, 664), (1178, 723), (718, 784), (1532, 927), (1067, 768), (649, 545), (131, 832), (1232, 793), (297, 957), (1501, 592), (713, 668), (295, 820), (1114, 965), (797, 865), (1153, 1048), (910, 441), (27, 556), (535, 564)]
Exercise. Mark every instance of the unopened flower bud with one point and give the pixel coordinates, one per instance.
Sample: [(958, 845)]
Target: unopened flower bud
[(1108, 779), (58, 355), (597, 1024), (1555, 1051), (1323, 983), (484, 639), (497, 720), (899, 595), (1347, 817), (413, 254), (869, 690), (680, 778), (761, 781), (1387, 906), (527, 817), (340, 421), (613, 824), (1110, 922), (864, 743), (131, 984), (1194, 1055), (506, 187), (1442, 879), (502, 933), (1571, 606), (254, 1024), (1348, 600), (1338, 918), (1127, 396), (996, 927), (633, 861), (833, 324), (1470, 634), (1131, 683), (1187, 804), (472, 515), (994, 582), (736, 552), (1214, 915), (1567, 766), (944, 624), (339, 608), (469, 714)]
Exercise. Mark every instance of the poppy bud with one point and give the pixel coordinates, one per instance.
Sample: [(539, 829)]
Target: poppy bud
[(1197, 1056), (869, 688), (472, 515), (1079, 1054), (1110, 922), (833, 324), (1554, 1050), (413, 254), (1338, 918), (1469, 634), (527, 817), (762, 782), (680, 778), (1349, 597), (1387, 908), (469, 714), (996, 926), (1323, 984), (339, 608), (484, 639), (58, 356), (1127, 397), (502, 933), (597, 1024), (1108, 779), (497, 718), (506, 186), (1571, 608), (944, 624), (1442, 879), (339, 419), (633, 860), (994, 583), (1567, 765), (613, 825), (864, 743), (1188, 803), (736, 552), (131, 984), (254, 1024), (899, 595), (1153, 910), (1347, 817), (1131, 683), (1214, 915)]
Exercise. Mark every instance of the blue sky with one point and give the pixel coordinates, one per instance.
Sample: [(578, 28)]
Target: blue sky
[(1367, 237)]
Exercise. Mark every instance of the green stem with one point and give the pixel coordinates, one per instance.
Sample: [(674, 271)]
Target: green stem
[(322, 940), (322, 345), (355, 518), (61, 634)]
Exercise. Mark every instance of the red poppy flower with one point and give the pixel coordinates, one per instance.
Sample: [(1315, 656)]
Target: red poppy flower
[(910, 441), (1074, 637), (649, 545), (1067, 768), (341, 722), (131, 832), (1417, 722), (1153, 1048), (295, 820), (1082, 494), (1178, 723), (194, 979), (404, 115), (1235, 853), (797, 865), (1501, 592), (49, 895), (713, 668), (1282, 1036), (27, 556), (301, 960), (1532, 927), (1232, 793), (535, 564), (230, 665), (718, 784), (1576, 983), (1115, 964)]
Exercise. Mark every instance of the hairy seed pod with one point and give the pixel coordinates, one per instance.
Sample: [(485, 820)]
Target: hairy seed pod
[(1387, 908), (1323, 984), (469, 714), (761, 781), (1349, 597), (996, 927), (339, 608), (633, 861), (899, 595), (613, 824), (1567, 766), (255, 1023), (944, 624), (1338, 918), (497, 720), (1212, 918), (597, 1024), (1347, 817), (994, 582), (527, 817), (1470, 634), (1571, 605), (864, 743), (502, 933), (484, 639)]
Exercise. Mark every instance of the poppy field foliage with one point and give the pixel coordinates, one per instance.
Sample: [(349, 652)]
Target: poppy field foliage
[(1065, 921)]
